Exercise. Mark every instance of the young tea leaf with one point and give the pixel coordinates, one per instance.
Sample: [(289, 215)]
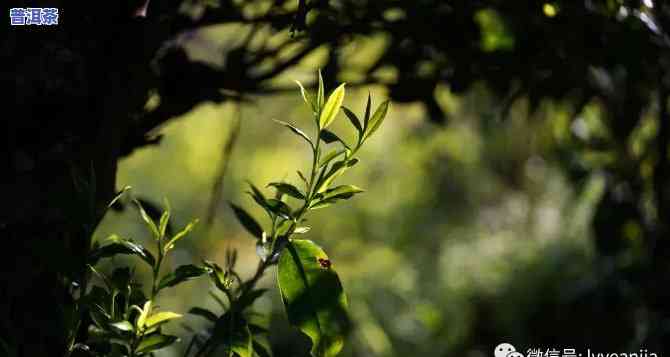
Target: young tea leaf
[(320, 94), (341, 192), (303, 178), (142, 317), (376, 120), (329, 137), (332, 107), (313, 296), (330, 156), (247, 221), (321, 204), (218, 276), (189, 227), (287, 189), (354, 120), (155, 342), (335, 171), (161, 318), (121, 246), (147, 220), (198, 311), (308, 98), (181, 274), (302, 230), (123, 326), (260, 349), (255, 192), (283, 229), (366, 117), (296, 131), (118, 196), (279, 208), (99, 316), (165, 218)]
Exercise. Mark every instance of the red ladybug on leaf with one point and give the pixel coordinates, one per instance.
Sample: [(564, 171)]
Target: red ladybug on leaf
[(325, 263)]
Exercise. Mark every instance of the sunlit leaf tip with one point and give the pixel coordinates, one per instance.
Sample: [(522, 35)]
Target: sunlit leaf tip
[(332, 106)]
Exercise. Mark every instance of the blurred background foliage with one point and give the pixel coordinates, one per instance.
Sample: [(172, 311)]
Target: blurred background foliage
[(462, 228), (471, 233)]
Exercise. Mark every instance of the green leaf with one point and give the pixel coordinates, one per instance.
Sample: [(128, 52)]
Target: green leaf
[(121, 246), (231, 334), (96, 334), (366, 118), (313, 296), (321, 204), (272, 206), (377, 119), (296, 131), (218, 300), (331, 196), (257, 195), (308, 98), (320, 94), (189, 227), (124, 326), (330, 156), (161, 318), (118, 196), (303, 178), (181, 274), (195, 339), (198, 311), (341, 192), (248, 299), (142, 318), (288, 189), (107, 251), (218, 276), (165, 218), (279, 208), (155, 342), (99, 316), (332, 107), (101, 276), (336, 170), (241, 342), (258, 329), (147, 220), (261, 350), (302, 230), (354, 120), (328, 136), (247, 221), (284, 227)]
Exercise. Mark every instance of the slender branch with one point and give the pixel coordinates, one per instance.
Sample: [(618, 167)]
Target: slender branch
[(228, 147)]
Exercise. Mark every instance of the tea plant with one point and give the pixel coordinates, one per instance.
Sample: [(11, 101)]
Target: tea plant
[(310, 288), (126, 322)]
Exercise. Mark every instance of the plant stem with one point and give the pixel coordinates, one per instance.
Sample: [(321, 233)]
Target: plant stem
[(260, 270), (315, 163), (156, 270)]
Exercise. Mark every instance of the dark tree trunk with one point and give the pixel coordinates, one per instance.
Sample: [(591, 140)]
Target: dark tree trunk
[(70, 92)]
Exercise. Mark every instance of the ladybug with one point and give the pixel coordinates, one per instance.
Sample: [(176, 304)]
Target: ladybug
[(325, 263)]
